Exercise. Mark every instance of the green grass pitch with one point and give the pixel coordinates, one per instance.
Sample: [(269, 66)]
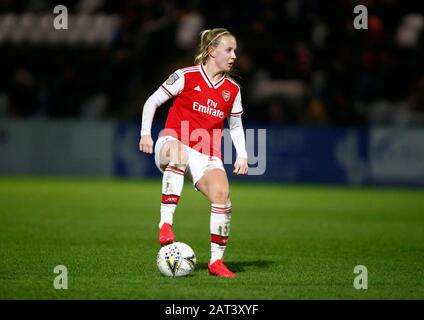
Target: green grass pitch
[(286, 242)]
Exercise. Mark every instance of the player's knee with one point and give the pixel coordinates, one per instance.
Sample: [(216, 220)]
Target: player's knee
[(183, 157), (221, 196), (178, 156), (181, 161)]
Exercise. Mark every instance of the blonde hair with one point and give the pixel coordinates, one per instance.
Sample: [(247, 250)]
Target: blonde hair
[(209, 38)]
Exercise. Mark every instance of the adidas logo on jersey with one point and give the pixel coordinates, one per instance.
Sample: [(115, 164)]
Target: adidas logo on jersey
[(198, 89)]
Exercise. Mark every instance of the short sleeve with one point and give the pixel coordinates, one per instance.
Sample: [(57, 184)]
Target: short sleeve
[(237, 109), (174, 84)]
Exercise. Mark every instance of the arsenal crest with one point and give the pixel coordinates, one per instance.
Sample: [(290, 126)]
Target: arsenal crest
[(226, 95)]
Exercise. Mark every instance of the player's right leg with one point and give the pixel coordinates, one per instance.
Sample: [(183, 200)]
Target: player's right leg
[(173, 160)]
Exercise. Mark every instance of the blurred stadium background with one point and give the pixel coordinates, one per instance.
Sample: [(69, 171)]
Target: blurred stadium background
[(341, 106)]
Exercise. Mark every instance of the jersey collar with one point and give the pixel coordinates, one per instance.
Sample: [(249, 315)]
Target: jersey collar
[(208, 80)]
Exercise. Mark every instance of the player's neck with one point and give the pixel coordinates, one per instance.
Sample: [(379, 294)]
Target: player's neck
[(213, 72)]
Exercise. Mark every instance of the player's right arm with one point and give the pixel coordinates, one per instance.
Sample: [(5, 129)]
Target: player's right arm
[(169, 89), (149, 110)]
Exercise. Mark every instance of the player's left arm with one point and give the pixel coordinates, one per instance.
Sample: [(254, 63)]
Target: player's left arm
[(237, 135)]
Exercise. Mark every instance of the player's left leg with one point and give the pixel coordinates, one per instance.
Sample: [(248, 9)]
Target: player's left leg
[(214, 185)]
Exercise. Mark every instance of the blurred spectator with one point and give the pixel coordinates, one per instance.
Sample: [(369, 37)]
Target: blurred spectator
[(190, 24)]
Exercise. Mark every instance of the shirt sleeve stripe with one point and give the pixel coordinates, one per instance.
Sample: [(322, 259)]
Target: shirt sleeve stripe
[(167, 91)]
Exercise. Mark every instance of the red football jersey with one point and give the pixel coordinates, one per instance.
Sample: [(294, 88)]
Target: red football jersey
[(200, 107)]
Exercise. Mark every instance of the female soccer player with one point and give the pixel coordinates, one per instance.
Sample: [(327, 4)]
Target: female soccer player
[(203, 96)]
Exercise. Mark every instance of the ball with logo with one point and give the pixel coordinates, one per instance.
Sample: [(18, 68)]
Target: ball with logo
[(176, 260)]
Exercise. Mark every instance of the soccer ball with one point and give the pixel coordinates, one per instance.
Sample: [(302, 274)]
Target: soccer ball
[(176, 260)]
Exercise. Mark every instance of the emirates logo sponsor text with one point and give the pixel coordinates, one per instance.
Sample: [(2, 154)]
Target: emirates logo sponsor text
[(210, 109)]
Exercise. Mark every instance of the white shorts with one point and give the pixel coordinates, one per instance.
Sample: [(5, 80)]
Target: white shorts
[(198, 163)]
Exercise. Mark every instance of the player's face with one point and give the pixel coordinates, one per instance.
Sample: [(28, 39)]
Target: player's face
[(225, 53)]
